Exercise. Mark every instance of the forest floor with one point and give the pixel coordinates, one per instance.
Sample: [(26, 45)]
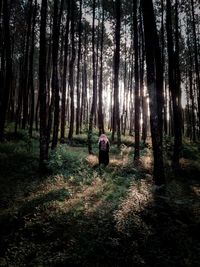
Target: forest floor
[(83, 215)]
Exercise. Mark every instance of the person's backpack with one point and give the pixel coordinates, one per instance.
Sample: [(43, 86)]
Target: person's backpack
[(103, 145)]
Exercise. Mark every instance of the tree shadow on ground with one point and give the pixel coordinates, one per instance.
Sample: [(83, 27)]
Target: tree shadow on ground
[(144, 228), (104, 223), (19, 175)]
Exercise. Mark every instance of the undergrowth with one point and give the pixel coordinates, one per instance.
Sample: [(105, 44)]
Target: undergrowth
[(81, 214)]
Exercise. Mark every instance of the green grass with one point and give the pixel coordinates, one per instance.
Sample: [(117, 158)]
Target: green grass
[(83, 215)]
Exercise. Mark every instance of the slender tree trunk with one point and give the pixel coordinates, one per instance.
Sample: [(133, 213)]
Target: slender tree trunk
[(192, 107), (8, 70), (55, 81), (116, 115), (49, 71), (26, 67), (136, 75), (163, 69), (131, 98), (42, 86), (2, 63), (165, 123), (93, 108), (30, 82), (171, 121), (142, 91), (84, 110), (19, 99), (124, 109), (196, 61), (150, 39), (11, 104), (37, 111), (97, 67), (174, 83), (177, 97), (100, 113), (71, 73), (78, 70), (63, 105)]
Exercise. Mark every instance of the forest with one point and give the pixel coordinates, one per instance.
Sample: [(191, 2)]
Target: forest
[(70, 71)]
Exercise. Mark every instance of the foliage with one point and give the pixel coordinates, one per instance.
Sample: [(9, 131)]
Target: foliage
[(61, 159), (85, 215)]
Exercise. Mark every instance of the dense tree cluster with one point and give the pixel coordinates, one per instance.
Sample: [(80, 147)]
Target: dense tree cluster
[(130, 67)]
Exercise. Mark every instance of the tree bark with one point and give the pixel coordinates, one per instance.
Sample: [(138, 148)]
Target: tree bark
[(63, 105), (177, 97), (94, 97), (116, 115), (84, 109), (100, 111), (136, 76), (174, 83), (8, 70), (78, 70), (30, 79), (42, 86), (71, 73), (55, 81), (196, 61), (150, 47), (26, 67)]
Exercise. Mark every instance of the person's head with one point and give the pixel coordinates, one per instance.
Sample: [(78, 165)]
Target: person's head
[(103, 137)]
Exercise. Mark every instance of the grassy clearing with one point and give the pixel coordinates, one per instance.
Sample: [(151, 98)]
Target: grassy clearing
[(83, 215)]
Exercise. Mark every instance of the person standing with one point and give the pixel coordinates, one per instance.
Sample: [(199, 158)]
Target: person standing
[(104, 147)]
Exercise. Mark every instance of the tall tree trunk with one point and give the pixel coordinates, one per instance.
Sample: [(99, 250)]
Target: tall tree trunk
[(8, 69), (124, 108), (71, 72), (196, 61), (177, 97), (174, 82), (136, 75), (63, 105), (2, 65), (100, 111), (116, 115), (26, 66), (192, 112), (78, 70), (187, 108), (94, 97), (37, 111), (150, 39), (131, 97), (19, 96), (42, 86), (11, 104), (191, 96), (97, 66), (165, 122), (49, 71), (55, 81), (84, 111), (164, 88), (30, 79), (142, 90)]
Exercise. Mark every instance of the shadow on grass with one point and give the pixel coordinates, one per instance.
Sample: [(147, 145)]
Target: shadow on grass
[(114, 220), (173, 240), (143, 229)]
